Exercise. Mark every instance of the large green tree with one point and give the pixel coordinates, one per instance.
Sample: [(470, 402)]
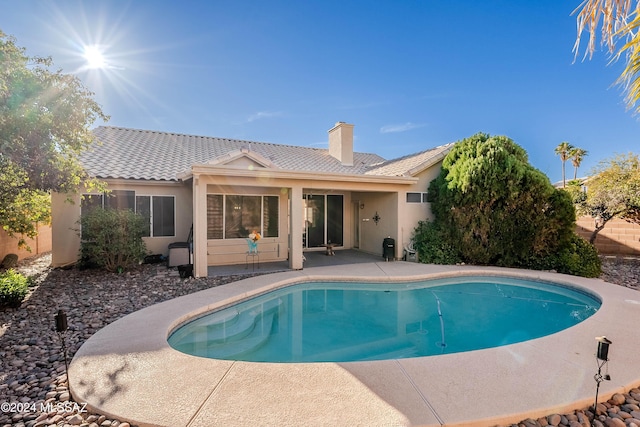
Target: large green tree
[(45, 117), (493, 207), (618, 22), (612, 191)]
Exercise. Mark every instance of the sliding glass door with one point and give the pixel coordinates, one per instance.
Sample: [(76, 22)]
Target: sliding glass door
[(323, 220), (314, 220)]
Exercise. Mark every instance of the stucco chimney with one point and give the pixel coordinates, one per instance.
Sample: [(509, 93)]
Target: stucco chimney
[(341, 143)]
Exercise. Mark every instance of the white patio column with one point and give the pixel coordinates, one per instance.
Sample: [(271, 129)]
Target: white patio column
[(295, 236), (199, 227)]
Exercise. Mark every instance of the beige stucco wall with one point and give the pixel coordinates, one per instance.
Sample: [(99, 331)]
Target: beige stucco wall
[(397, 217), (411, 213), (372, 234), (65, 242), (66, 213)]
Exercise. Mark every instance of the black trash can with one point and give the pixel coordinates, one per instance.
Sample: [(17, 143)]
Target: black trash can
[(185, 271), (388, 249)]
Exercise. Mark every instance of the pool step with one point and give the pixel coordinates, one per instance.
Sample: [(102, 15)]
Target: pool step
[(235, 349), (218, 320), (224, 329)]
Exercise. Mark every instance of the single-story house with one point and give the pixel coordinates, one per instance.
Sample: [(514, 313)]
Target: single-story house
[(297, 198)]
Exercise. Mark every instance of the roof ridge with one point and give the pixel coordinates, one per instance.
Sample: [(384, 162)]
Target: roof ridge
[(407, 156)]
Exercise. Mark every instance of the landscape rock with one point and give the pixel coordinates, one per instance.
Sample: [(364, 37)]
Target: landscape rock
[(554, 419), (618, 399), (33, 369)]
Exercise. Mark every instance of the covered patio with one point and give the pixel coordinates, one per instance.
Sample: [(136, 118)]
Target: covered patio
[(312, 259)]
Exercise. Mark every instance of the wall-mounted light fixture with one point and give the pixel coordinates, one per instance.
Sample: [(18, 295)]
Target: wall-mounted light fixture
[(376, 218), (361, 205)]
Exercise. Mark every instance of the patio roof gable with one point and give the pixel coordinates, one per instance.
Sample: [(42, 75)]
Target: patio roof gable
[(243, 158)]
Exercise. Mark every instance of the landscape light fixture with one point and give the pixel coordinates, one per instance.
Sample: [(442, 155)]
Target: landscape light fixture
[(602, 357), (61, 328)]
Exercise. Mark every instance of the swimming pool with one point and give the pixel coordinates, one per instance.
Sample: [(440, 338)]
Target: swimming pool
[(352, 321), (126, 368)]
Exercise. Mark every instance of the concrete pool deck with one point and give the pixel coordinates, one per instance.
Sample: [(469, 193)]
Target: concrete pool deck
[(128, 371)]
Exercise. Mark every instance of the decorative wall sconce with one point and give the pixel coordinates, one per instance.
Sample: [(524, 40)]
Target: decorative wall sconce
[(376, 218), (361, 205)]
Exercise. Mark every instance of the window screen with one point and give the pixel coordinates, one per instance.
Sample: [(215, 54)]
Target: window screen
[(163, 216), (414, 197)]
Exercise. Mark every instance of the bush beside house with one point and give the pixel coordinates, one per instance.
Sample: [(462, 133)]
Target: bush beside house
[(112, 239)]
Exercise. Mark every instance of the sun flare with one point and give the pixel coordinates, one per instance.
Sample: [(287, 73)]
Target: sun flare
[(94, 57)]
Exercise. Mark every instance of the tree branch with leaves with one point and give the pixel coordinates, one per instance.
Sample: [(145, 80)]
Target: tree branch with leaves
[(613, 191), (618, 21), (44, 125)]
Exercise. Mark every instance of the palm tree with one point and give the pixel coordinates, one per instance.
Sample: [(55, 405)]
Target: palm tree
[(563, 149), (577, 155), (620, 21)]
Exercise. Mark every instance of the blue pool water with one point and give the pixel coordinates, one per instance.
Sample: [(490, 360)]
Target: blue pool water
[(321, 322)]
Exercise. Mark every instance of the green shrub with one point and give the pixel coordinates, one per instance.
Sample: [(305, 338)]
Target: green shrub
[(13, 288), (112, 239), (431, 245), (580, 258)]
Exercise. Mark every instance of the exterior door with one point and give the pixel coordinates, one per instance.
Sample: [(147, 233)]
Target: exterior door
[(314, 220), (323, 220)]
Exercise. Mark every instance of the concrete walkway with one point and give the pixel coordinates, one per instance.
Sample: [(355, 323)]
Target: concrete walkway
[(128, 371)]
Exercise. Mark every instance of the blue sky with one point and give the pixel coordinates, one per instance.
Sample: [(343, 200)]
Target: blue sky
[(409, 75)]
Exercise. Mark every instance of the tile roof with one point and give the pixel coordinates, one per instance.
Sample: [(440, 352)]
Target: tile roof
[(150, 155), (406, 165)]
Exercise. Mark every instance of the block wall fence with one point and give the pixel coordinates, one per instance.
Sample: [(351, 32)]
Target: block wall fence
[(618, 237), (41, 244)]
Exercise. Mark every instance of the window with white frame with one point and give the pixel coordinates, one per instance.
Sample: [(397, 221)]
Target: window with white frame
[(234, 216), (417, 197), (160, 211)]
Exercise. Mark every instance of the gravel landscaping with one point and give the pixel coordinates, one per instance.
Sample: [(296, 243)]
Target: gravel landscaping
[(33, 383)]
